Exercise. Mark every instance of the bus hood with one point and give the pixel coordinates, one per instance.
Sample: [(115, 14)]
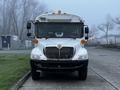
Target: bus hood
[(63, 42), (59, 43)]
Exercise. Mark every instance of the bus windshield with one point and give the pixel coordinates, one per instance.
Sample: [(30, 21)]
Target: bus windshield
[(59, 30)]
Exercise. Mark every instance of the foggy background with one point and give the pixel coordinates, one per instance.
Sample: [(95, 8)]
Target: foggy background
[(93, 11), (102, 17)]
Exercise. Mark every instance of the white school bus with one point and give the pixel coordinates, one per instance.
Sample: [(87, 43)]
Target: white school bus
[(59, 44)]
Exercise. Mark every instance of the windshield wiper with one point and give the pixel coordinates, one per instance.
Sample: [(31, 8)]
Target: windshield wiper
[(72, 36), (49, 36)]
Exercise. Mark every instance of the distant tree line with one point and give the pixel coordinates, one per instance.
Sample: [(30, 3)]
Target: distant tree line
[(15, 13), (108, 25)]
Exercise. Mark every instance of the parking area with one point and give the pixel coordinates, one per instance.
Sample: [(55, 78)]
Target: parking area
[(67, 81), (103, 74)]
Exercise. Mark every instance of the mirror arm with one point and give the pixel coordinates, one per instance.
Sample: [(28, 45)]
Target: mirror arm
[(28, 30), (87, 34)]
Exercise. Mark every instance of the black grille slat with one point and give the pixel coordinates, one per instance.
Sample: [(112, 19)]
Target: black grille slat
[(66, 52), (52, 52), (55, 53)]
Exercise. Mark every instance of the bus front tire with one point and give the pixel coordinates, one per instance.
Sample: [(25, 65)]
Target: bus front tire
[(83, 73), (35, 75)]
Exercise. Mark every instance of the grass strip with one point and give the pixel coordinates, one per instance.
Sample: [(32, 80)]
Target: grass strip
[(12, 68)]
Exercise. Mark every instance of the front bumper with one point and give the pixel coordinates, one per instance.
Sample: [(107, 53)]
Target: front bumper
[(58, 65)]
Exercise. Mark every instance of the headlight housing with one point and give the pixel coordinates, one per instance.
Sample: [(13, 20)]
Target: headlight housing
[(83, 57), (37, 57)]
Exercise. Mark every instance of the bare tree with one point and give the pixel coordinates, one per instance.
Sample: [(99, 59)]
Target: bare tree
[(93, 32), (0, 18), (117, 20), (15, 14), (106, 27)]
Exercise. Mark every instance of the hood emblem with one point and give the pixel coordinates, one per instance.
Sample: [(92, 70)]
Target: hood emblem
[(59, 46)]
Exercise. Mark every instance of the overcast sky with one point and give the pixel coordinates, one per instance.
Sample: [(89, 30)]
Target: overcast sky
[(92, 11)]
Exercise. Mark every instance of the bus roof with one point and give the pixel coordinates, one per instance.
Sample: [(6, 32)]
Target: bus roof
[(58, 17)]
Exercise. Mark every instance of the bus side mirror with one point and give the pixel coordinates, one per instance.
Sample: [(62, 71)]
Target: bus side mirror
[(86, 30), (28, 34), (28, 28), (86, 38), (28, 25)]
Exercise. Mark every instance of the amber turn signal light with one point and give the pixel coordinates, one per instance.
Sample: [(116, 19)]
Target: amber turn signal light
[(83, 41), (35, 41)]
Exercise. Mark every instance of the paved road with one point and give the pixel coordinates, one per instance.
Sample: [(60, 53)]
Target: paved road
[(107, 64), (103, 74)]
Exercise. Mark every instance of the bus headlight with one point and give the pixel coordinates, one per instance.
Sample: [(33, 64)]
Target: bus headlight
[(83, 57), (37, 57)]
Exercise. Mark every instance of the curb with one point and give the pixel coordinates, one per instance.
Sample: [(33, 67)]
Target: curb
[(21, 81)]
